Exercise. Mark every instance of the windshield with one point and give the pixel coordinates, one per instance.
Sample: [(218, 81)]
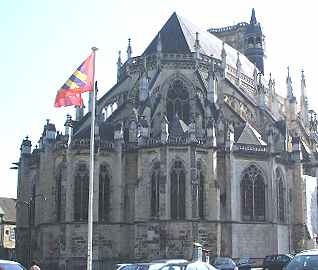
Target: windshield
[(10, 266), (304, 262), (220, 261), (244, 260)]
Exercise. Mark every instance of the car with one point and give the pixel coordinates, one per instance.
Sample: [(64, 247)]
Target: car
[(276, 262), (305, 260), (244, 263), (224, 263), (10, 265)]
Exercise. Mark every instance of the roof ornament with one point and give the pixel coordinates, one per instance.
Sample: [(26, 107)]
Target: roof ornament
[(303, 81), (129, 50), (255, 75), (223, 58), (212, 66), (253, 17), (270, 83), (119, 65), (238, 68), (159, 43), (290, 94), (197, 50), (159, 50)]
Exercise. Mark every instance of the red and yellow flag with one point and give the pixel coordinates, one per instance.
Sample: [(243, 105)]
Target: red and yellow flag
[(80, 81)]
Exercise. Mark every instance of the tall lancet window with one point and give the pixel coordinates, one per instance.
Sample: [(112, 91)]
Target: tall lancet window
[(155, 181), (280, 195), (59, 195), (177, 191), (178, 101), (200, 189), (104, 194), (81, 193), (253, 194)]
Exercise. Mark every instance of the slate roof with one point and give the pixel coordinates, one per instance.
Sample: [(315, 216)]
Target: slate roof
[(249, 135), (178, 36), (8, 208)]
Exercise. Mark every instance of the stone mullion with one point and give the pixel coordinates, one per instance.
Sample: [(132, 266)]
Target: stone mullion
[(194, 183)]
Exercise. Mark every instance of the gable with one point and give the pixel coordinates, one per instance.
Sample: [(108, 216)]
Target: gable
[(249, 135)]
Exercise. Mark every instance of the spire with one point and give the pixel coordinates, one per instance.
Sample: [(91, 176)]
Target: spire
[(119, 64), (159, 51), (197, 42), (270, 82), (253, 17), (211, 93), (304, 101), (197, 49), (303, 82), (255, 75), (129, 50), (144, 84), (223, 57), (290, 94), (238, 67), (159, 43)]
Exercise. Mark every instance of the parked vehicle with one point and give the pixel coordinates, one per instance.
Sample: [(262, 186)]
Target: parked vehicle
[(305, 260), (169, 265), (10, 265), (224, 263), (276, 262), (244, 263)]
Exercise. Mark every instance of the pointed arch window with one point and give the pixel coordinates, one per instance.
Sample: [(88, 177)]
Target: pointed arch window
[(253, 194), (177, 192), (59, 195), (104, 194), (201, 190), (280, 195), (155, 181), (81, 193), (178, 101)]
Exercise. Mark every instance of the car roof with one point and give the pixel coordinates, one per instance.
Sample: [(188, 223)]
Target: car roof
[(308, 252), (8, 262)]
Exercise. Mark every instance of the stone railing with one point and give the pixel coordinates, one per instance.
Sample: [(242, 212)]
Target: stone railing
[(228, 28), (250, 148)]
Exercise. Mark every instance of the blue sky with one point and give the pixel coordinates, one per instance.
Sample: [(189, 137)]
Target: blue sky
[(42, 43)]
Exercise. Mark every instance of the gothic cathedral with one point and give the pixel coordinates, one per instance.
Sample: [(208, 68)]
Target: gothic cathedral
[(193, 143)]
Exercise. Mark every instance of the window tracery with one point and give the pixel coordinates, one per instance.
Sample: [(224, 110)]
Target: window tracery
[(155, 181), (177, 192), (178, 101), (201, 189), (253, 194), (81, 193), (280, 195), (104, 193)]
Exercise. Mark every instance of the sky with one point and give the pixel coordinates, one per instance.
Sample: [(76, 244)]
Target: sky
[(44, 41)]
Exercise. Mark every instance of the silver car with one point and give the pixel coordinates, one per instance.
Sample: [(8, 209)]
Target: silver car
[(10, 265)]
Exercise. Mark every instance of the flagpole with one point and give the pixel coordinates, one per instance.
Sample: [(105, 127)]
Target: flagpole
[(91, 176)]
